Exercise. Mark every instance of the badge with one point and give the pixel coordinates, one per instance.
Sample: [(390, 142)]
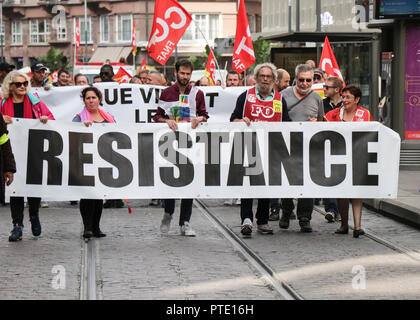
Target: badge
[(252, 98), (277, 106)]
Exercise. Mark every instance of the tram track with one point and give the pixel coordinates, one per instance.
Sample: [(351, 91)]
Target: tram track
[(88, 271)]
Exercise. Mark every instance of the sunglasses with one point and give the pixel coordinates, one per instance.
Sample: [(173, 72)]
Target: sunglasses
[(19, 84), (329, 87), (317, 77), (303, 80)]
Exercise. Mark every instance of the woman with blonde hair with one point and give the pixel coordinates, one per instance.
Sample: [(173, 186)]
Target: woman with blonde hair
[(18, 102)]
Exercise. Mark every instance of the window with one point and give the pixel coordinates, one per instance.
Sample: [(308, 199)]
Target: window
[(104, 31), (203, 24), (83, 27), (39, 31), (16, 32), (124, 24), (61, 32)]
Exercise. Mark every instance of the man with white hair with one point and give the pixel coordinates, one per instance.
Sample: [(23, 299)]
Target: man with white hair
[(272, 107), (303, 104)]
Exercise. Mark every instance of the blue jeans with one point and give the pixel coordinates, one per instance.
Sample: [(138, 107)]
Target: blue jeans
[(330, 205)]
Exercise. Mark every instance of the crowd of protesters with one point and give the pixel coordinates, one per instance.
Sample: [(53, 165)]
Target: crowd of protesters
[(268, 86)]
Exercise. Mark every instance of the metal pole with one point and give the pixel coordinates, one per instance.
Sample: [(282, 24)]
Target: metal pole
[(297, 15), (290, 16), (147, 27), (86, 45), (1, 25), (318, 28)]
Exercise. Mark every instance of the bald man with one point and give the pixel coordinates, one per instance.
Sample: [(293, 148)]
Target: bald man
[(204, 82), (283, 80), (311, 63), (154, 78)]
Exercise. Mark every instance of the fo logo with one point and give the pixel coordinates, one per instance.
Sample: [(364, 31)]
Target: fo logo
[(164, 24), (266, 112)]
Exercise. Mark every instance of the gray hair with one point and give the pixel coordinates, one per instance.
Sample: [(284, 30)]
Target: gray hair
[(5, 87), (303, 68), (265, 65), (280, 73)]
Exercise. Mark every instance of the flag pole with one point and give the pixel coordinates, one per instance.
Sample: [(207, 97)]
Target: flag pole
[(215, 59)]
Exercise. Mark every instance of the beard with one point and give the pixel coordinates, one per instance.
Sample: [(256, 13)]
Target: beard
[(182, 82), (303, 91), (264, 88)]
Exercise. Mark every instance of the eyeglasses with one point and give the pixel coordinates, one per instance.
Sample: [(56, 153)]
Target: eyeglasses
[(317, 77), (347, 97), (329, 87), (303, 80), (19, 84), (268, 76)]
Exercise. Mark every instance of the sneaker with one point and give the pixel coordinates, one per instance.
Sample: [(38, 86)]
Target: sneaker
[(35, 224), (166, 222), (329, 216), (228, 202), (264, 229), (154, 202), (305, 225), (246, 228), (186, 230), (44, 204), (274, 215), (285, 219), (16, 233)]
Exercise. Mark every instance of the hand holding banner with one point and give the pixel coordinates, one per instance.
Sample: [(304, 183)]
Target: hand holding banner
[(169, 24)]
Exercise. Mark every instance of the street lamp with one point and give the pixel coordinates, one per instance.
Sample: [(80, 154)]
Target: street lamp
[(85, 33)]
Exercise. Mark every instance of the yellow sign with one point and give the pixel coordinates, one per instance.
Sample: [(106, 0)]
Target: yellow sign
[(278, 106)]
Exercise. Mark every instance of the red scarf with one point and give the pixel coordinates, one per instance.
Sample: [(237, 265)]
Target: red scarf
[(8, 108)]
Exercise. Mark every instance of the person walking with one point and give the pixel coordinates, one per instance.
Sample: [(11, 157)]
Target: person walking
[(91, 209), (262, 95), (169, 110), (19, 103), (350, 111)]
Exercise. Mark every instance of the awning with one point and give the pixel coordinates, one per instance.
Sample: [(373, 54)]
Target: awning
[(112, 53), (320, 36)]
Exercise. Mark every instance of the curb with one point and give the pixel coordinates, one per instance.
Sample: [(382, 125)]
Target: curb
[(395, 209)]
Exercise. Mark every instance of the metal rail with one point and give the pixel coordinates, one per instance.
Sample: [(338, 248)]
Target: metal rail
[(281, 286), (88, 271)]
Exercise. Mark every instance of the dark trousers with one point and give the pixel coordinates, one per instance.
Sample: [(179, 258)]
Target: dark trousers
[(17, 206), (91, 211), (330, 205), (186, 209), (262, 210), (275, 203), (305, 207)]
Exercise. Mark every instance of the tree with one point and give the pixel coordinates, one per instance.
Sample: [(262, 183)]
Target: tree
[(55, 59), (262, 52), (199, 63)]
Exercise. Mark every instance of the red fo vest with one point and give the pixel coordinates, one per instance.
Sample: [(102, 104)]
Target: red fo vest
[(258, 110)]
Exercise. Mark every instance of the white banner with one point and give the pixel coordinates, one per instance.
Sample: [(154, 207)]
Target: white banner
[(134, 103), (62, 160)]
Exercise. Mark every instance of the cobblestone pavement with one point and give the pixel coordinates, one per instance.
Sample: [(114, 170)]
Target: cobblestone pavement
[(137, 262), (319, 265)]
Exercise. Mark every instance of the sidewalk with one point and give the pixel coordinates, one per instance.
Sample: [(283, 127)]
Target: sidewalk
[(407, 206)]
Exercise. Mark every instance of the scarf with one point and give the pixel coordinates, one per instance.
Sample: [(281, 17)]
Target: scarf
[(8, 108), (86, 116)]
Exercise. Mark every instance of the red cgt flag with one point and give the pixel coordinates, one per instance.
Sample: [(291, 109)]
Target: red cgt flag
[(169, 24), (77, 34), (328, 62), (210, 67), (122, 76), (133, 39), (143, 64), (243, 51)]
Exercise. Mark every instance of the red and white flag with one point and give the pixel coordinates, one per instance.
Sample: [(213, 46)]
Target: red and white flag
[(122, 76), (169, 24), (143, 64), (133, 39), (243, 50), (210, 68), (328, 62), (77, 34)]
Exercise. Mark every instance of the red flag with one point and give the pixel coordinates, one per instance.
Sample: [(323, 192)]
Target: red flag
[(169, 24), (133, 39), (328, 62), (122, 76), (143, 64), (77, 34), (243, 51), (210, 67)]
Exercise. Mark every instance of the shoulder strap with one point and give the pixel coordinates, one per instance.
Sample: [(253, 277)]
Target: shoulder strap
[(294, 105)]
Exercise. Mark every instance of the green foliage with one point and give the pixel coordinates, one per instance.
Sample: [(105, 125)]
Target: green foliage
[(55, 59), (199, 63), (262, 52)]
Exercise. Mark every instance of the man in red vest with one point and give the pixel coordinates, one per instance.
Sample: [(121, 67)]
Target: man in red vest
[(259, 103)]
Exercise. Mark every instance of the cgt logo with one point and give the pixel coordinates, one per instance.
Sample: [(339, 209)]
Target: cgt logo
[(157, 37), (266, 112)]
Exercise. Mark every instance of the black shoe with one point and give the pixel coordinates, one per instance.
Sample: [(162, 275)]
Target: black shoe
[(357, 233), (16, 233), (305, 225), (87, 234), (274, 215), (99, 234), (35, 224), (73, 203), (109, 204), (329, 217), (284, 220), (342, 231), (118, 203)]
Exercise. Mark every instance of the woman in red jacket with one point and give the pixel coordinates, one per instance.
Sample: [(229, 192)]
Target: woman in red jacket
[(19, 103), (350, 111)]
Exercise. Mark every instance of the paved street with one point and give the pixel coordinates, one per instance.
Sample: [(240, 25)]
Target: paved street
[(136, 262)]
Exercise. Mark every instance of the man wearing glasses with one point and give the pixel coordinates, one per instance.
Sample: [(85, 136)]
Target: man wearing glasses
[(332, 91), (303, 104)]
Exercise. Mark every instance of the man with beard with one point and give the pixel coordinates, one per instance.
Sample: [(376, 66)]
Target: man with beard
[(264, 96), (303, 104), (181, 102)]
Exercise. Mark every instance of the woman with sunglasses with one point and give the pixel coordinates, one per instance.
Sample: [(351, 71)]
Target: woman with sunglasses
[(350, 111), (19, 103), (91, 209)]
